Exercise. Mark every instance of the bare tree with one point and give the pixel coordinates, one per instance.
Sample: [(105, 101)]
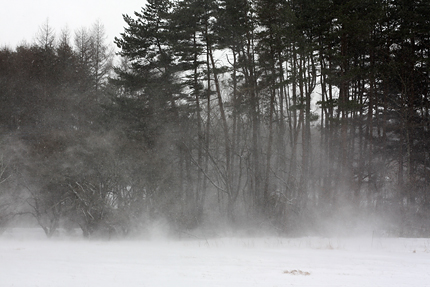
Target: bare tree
[(46, 36), (102, 55), (6, 212)]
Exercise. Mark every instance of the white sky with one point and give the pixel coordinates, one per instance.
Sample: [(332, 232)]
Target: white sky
[(20, 20)]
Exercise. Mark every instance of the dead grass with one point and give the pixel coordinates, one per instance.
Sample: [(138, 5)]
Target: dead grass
[(297, 272)]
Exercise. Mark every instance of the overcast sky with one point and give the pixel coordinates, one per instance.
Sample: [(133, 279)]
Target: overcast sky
[(20, 19)]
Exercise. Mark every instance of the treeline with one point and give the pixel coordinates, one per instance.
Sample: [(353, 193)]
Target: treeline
[(263, 114), (51, 95)]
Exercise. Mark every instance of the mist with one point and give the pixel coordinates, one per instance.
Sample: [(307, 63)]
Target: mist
[(203, 131)]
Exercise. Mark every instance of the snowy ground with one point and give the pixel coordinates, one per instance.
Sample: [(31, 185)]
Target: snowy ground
[(220, 262)]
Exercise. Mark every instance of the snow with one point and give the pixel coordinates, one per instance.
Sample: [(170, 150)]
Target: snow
[(230, 261)]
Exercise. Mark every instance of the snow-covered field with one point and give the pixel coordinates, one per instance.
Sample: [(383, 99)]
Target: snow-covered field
[(232, 261)]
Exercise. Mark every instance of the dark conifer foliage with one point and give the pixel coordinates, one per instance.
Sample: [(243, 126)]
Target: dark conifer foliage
[(292, 161)]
